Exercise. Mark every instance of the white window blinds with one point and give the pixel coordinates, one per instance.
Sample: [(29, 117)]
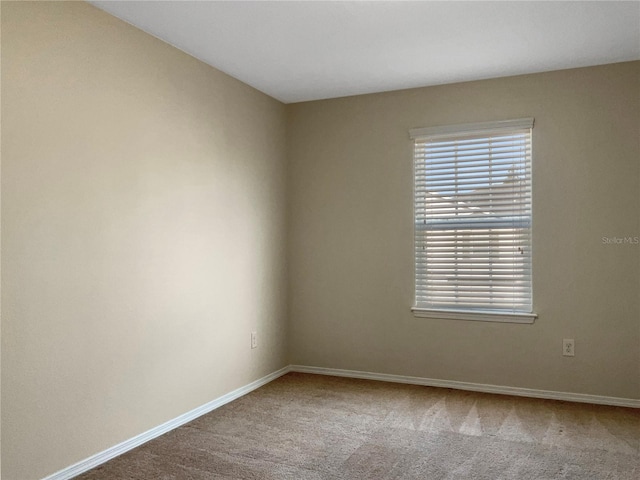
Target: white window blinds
[(473, 217)]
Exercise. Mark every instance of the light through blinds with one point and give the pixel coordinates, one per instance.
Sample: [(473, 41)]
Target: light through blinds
[(473, 217)]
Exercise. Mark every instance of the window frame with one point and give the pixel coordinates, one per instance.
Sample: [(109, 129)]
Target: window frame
[(487, 315)]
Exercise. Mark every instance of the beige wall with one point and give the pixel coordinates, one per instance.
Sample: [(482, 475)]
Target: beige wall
[(0, 245), (350, 234), (142, 233)]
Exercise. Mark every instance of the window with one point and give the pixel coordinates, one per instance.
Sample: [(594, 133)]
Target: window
[(473, 221)]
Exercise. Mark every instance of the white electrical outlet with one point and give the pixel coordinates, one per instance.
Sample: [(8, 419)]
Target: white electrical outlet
[(254, 339), (568, 347)]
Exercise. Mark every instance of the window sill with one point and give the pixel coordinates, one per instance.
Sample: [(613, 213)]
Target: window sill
[(478, 316)]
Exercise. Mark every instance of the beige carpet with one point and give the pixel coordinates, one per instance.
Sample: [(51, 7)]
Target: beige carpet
[(315, 427)]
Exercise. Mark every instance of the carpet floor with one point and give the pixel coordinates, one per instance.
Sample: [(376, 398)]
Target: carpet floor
[(303, 426)]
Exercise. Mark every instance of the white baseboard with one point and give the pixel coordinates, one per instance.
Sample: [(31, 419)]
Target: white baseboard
[(112, 452), (475, 387)]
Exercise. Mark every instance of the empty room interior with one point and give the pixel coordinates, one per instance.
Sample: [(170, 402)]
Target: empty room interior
[(320, 240)]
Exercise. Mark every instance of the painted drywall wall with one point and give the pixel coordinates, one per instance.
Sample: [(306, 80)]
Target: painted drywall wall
[(0, 244), (142, 233), (351, 234)]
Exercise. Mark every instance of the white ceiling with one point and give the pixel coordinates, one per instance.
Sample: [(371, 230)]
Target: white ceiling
[(309, 50)]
